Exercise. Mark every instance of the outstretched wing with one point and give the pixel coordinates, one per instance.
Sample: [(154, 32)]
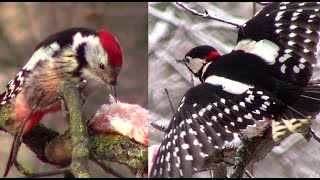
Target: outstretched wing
[(295, 28), (209, 118)]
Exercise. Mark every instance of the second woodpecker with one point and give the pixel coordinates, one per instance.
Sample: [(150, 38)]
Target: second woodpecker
[(264, 81)]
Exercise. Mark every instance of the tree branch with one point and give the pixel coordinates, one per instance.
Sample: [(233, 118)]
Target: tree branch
[(78, 129), (207, 15), (76, 145)]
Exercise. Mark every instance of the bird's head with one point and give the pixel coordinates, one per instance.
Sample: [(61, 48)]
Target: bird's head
[(104, 57), (198, 57)]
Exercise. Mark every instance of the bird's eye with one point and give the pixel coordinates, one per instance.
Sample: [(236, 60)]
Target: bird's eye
[(101, 66)]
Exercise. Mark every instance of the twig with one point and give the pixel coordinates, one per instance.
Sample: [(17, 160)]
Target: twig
[(314, 135), (23, 170), (159, 127), (16, 144), (263, 3), (78, 129), (248, 174), (107, 166), (207, 15), (250, 171), (46, 174), (32, 174), (254, 9), (169, 99)]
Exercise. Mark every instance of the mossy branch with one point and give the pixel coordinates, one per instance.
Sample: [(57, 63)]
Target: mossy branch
[(250, 150), (75, 147), (78, 129)]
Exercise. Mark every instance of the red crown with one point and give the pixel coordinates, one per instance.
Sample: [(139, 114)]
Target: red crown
[(112, 47)]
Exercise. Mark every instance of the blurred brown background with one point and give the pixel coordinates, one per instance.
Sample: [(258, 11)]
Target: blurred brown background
[(172, 33), (24, 25)]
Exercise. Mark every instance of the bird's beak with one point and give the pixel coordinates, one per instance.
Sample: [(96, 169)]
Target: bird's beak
[(114, 91), (181, 61)]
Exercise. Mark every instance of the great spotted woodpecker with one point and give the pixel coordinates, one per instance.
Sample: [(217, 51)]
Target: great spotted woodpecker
[(81, 55), (263, 82)]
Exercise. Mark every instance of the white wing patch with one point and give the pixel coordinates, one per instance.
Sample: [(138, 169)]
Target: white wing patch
[(79, 39), (228, 85), (42, 54), (265, 49)]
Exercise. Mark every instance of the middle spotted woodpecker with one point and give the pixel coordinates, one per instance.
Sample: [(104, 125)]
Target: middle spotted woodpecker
[(263, 82), (81, 55)]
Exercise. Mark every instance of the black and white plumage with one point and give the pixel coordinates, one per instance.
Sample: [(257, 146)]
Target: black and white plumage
[(81, 55), (263, 82)]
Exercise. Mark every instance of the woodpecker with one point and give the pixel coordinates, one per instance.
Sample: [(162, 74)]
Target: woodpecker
[(263, 82), (81, 55)]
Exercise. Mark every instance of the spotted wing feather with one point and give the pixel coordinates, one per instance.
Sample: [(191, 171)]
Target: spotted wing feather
[(13, 87), (207, 119), (48, 49), (295, 28)]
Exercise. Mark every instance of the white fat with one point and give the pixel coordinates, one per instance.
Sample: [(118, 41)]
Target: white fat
[(265, 49), (228, 85)]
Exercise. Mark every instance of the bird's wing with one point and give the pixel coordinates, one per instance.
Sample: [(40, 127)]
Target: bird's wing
[(208, 118), (295, 28)]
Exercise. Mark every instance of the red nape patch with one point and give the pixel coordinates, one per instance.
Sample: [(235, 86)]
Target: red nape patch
[(212, 55), (112, 47)]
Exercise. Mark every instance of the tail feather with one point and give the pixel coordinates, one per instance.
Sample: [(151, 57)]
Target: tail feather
[(310, 100)]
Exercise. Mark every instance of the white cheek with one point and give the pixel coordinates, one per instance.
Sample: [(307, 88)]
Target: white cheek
[(196, 64), (104, 60), (95, 54)]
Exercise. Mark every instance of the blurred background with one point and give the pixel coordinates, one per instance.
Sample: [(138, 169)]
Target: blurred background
[(24, 25), (172, 33)]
